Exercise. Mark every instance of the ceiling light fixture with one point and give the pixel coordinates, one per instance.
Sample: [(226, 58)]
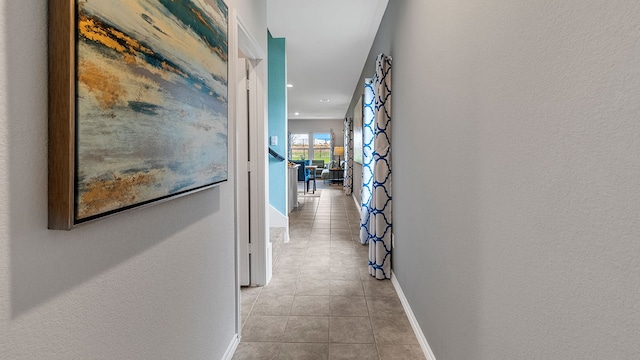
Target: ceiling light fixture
[(289, 85), (324, 100), (296, 114)]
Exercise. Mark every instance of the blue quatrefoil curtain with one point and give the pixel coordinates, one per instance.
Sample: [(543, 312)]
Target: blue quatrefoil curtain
[(375, 227), (367, 159)]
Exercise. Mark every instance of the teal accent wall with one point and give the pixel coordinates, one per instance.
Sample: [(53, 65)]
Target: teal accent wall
[(277, 57)]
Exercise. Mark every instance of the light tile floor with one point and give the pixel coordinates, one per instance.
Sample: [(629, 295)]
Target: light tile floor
[(322, 303)]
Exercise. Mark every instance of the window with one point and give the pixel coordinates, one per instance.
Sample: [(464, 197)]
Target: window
[(299, 146), (322, 146)]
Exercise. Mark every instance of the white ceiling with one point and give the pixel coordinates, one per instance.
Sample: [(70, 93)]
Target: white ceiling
[(327, 43)]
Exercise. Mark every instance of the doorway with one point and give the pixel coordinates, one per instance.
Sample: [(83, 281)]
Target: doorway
[(243, 147), (247, 75)]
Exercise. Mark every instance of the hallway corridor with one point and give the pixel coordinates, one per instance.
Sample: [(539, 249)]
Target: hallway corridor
[(321, 302)]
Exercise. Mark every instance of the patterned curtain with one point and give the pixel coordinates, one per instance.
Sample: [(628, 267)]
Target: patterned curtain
[(332, 144), (376, 222), (347, 185), (381, 222), (289, 150), (367, 160)]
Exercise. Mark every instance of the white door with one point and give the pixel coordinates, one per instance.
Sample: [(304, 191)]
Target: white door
[(244, 190)]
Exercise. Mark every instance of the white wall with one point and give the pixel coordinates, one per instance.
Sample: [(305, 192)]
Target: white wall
[(319, 125), (516, 158), (357, 182), (150, 284)]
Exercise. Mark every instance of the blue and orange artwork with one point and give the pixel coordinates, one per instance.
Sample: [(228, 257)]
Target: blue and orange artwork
[(151, 110)]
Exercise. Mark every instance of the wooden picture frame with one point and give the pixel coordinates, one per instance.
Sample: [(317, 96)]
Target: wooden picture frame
[(138, 104)]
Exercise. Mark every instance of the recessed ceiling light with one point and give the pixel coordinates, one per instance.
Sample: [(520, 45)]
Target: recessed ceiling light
[(324, 100), (296, 114), (289, 85)]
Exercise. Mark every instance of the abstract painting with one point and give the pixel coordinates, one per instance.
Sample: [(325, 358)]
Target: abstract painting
[(150, 111)]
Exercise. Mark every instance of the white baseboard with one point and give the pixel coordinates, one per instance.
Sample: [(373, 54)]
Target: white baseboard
[(277, 219), (231, 349), (358, 205), (426, 349)]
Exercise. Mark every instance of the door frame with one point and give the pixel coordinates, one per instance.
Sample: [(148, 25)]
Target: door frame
[(240, 38), (243, 189)]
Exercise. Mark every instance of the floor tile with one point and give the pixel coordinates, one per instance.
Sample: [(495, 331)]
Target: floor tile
[(304, 351), (322, 224), (307, 329), (340, 224), (296, 244), (286, 273), (361, 249), (257, 351), (317, 261), (299, 232), (344, 273), (289, 260), (319, 244), (353, 330), (293, 250), (319, 251), (345, 238), (318, 302), (321, 232), (346, 250), (340, 221), (400, 352), (280, 287), (319, 237), (301, 224), (346, 260), (346, 288), (264, 329), (313, 287), (348, 306), (250, 293), (364, 274), (308, 269), (313, 275), (393, 330), (385, 306), (379, 288), (352, 352), (341, 245), (269, 305), (248, 296), (311, 305)]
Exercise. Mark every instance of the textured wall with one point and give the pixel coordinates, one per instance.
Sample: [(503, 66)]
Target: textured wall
[(278, 122), (516, 149), (150, 284)]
